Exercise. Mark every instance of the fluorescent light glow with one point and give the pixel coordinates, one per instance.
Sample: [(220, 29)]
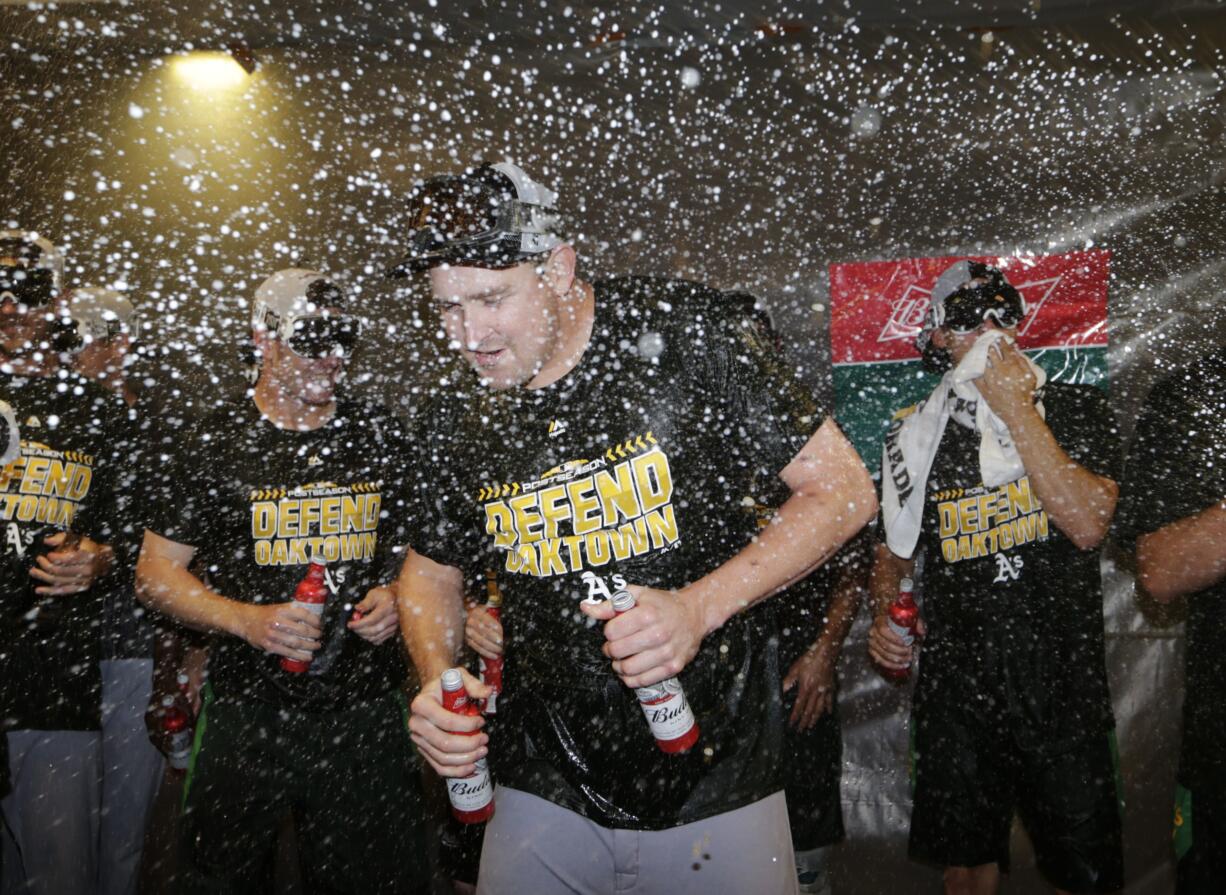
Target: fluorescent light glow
[(211, 72)]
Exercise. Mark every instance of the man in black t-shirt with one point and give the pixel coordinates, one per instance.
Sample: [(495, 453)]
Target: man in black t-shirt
[(63, 447), (265, 487), (1173, 509), (105, 322), (1006, 486), (611, 443)]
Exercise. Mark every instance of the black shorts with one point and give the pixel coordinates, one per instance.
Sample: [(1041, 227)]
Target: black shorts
[(812, 767), (970, 779), (1200, 839), (350, 778)]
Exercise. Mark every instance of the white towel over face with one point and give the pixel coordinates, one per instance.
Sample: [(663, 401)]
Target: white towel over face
[(911, 443)]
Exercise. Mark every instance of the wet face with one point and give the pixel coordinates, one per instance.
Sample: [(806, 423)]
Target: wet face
[(23, 330), (959, 344), (504, 322), (308, 380)]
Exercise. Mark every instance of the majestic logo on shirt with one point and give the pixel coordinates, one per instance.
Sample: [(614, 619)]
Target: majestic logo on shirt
[(314, 460), (33, 422), (44, 485), (557, 427), (585, 513), (982, 522), (337, 523)]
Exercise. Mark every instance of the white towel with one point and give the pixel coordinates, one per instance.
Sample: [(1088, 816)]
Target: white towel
[(912, 441)]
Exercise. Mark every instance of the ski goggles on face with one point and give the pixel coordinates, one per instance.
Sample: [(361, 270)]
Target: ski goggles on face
[(32, 287), (468, 219), (966, 309), (331, 335)]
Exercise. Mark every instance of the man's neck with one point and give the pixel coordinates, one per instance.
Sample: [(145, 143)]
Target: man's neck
[(577, 317), (286, 412)]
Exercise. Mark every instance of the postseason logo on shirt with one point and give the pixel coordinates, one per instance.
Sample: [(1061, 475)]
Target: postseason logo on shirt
[(324, 520)]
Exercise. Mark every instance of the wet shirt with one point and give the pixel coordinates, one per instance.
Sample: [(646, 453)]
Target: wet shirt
[(1014, 609), (635, 468), (257, 503), (1177, 468), (73, 438)]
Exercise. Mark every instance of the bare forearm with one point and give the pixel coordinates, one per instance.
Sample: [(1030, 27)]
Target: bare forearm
[(806, 531), (1184, 557), (431, 615), (174, 591), (844, 602), (888, 570), (1078, 501)]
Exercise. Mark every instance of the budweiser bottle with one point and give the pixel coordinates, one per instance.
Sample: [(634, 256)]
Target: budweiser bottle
[(668, 714), (311, 594), (491, 669), (472, 797), (903, 618), (177, 726)]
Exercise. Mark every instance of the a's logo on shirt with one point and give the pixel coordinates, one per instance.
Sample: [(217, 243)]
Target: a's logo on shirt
[(557, 427), (1008, 568)]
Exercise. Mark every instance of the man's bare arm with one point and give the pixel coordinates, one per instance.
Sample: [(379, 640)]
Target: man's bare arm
[(832, 498), (885, 647), (1184, 557), (431, 598), (164, 583), (1079, 502)]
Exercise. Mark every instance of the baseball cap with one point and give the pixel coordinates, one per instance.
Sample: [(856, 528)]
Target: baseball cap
[(308, 311), (967, 293), (492, 216), (101, 313), (31, 267)]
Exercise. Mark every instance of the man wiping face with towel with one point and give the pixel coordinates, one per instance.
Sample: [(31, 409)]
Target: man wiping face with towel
[(996, 493)]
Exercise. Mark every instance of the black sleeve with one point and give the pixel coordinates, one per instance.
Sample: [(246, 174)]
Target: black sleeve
[(179, 497), (100, 518), (436, 526), (1085, 428), (769, 409), (1172, 470)]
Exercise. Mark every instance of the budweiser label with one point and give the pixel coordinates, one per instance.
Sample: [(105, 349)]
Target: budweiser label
[(491, 701), (905, 634), (180, 749), (667, 711), (471, 793)]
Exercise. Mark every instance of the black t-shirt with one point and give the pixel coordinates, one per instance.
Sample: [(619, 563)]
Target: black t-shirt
[(1177, 468), (638, 465), (258, 502), (1014, 609), (73, 438)]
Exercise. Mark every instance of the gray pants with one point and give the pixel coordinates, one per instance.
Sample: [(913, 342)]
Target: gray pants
[(532, 845), (131, 772), (51, 816)]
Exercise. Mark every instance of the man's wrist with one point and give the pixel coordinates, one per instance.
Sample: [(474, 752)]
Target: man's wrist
[(1022, 419)]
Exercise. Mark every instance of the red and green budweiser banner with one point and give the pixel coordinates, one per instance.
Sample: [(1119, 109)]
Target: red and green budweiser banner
[(878, 307)]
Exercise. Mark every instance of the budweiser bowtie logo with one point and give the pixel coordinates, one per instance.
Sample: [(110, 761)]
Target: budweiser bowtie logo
[(908, 311)]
